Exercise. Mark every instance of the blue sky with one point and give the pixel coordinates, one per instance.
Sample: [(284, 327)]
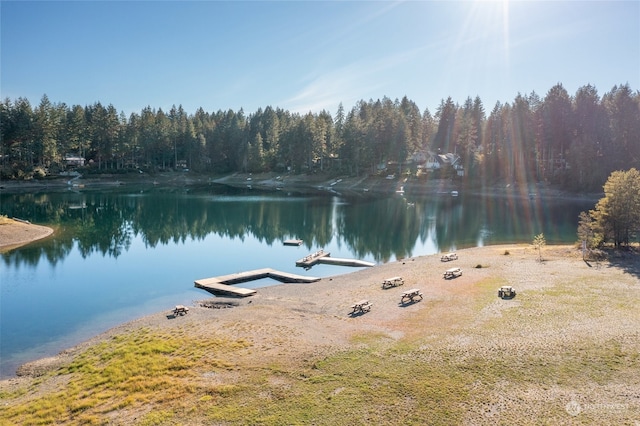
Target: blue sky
[(308, 56)]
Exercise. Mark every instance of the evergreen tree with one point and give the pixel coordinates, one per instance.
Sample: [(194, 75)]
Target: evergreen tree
[(623, 112), (616, 217), (557, 126), (588, 171), (256, 155), (429, 127), (446, 116)]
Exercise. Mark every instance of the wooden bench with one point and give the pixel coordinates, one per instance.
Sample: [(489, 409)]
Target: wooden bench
[(392, 282), (411, 296), (180, 310), (361, 307)]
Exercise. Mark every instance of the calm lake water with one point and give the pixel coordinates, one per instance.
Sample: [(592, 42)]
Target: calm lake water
[(122, 253)]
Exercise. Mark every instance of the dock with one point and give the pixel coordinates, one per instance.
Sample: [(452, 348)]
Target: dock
[(224, 284), (311, 259), (344, 262), (322, 256), (292, 242)]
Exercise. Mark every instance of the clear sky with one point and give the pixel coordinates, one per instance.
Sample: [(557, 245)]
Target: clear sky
[(308, 56)]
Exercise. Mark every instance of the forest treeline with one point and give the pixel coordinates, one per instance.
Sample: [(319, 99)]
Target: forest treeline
[(572, 141)]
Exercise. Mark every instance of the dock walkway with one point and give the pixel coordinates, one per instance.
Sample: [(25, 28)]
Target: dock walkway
[(322, 256), (224, 284), (344, 262), (311, 259)]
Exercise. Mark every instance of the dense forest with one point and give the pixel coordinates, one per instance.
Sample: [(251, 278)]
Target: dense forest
[(571, 141)]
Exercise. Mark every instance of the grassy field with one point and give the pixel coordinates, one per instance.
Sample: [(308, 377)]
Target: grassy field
[(564, 351)]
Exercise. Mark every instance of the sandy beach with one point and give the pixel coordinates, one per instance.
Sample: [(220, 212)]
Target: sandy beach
[(15, 233), (570, 339)]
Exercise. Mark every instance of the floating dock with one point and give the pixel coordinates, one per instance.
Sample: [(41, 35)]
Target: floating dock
[(224, 284), (344, 262), (292, 242), (309, 260), (322, 256)]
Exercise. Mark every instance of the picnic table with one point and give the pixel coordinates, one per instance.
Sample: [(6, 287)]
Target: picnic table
[(392, 282), (449, 256), (180, 310), (452, 273), (411, 295), (361, 307)]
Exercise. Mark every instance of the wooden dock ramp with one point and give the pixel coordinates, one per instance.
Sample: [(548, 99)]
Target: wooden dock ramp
[(224, 284), (344, 262), (322, 256), (311, 259)]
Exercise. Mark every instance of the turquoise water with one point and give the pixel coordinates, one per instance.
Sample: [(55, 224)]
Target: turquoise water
[(121, 254)]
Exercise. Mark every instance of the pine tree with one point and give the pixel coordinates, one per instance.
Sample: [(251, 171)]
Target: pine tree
[(617, 216)]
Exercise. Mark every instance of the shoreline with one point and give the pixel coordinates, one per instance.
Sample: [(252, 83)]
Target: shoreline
[(339, 285), (294, 324), (25, 233), (16, 233), (368, 185)]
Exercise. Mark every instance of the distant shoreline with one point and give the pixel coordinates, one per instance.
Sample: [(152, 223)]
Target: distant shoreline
[(318, 183)]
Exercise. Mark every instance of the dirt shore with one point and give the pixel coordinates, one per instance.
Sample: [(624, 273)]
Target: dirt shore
[(16, 233), (571, 318)]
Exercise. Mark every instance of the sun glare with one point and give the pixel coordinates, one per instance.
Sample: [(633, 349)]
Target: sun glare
[(486, 30)]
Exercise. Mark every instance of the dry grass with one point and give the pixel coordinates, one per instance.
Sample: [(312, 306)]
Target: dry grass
[(564, 351)]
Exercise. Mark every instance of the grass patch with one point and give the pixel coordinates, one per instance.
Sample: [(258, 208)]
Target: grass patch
[(352, 387), (127, 372), (159, 376)]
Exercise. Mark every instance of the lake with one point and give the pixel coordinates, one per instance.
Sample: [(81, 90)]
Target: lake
[(121, 253)]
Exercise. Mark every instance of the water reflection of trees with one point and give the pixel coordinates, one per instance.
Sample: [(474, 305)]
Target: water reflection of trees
[(383, 228), (107, 223)]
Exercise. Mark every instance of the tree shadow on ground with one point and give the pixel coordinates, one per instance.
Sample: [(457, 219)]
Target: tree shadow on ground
[(627, 259)]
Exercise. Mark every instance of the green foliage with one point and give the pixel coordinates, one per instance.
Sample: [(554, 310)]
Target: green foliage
[(616, 217), (587, 227), (39, 173), (539, 242), (575, 141)]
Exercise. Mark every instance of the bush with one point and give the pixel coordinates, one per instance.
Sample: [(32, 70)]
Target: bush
[(39, 173)]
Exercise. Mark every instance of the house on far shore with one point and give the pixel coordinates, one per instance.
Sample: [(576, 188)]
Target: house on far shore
[(73, 161), (454, 160), (431, 162)]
